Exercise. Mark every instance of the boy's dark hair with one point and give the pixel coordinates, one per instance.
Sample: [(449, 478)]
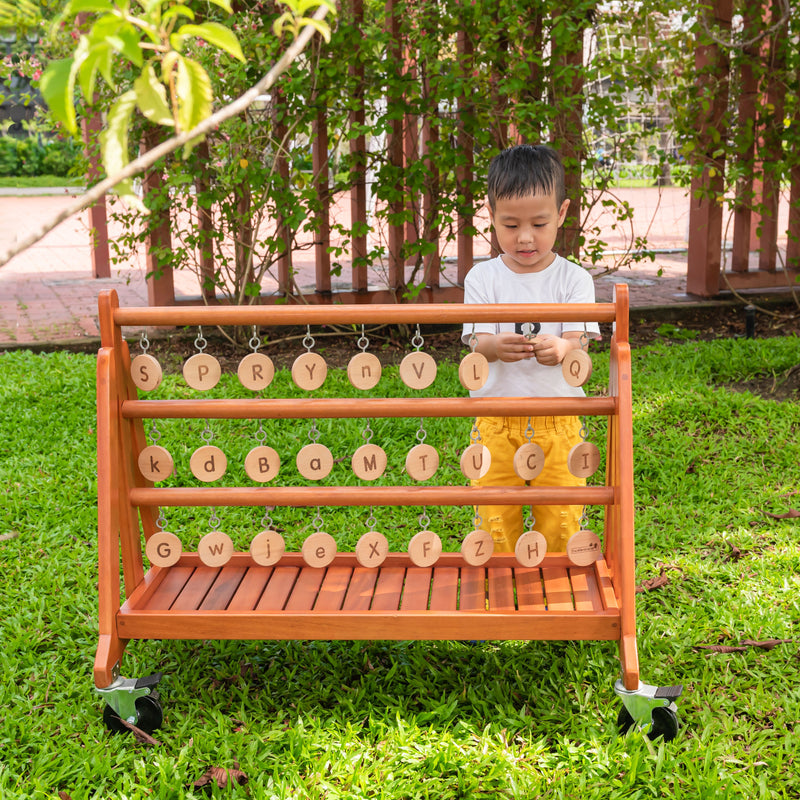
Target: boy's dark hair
[(526, 169)]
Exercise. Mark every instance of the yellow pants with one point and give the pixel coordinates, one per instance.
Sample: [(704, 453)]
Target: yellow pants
[(503, 436)]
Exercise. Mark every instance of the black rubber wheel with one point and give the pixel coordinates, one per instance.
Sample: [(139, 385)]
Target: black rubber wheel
[(665, 723), (148, 710)]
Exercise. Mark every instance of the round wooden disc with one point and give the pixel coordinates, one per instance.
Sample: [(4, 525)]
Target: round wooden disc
[(256, 371), (267, 547), (584, 459), (309, 371), (577, 367), (319, 549), (202, 371), (163, 549), (530, 548), (475, 461), (584, 548), (529, 461), (314, 461), (155, 463), (418, 370), (473, 371), (262, 463), (477, 547), (372, 549), (425, 548), (208, 463), (215, 549), (422, 461), (146, 372), (364, 370), (369, 462)]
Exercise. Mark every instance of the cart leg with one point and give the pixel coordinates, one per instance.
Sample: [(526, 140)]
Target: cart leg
[(651, 709), (132, 700)]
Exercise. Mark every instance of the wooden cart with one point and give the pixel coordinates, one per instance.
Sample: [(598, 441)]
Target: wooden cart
[(449, 599)]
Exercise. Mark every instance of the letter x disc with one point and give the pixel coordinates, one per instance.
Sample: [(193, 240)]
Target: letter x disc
[(529, 461), (155, 463), (372, 549)]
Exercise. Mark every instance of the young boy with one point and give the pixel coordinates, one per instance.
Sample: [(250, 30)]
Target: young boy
[(527, 206)]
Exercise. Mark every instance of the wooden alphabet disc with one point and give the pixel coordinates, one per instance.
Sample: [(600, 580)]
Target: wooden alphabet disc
[(425, 548), (584, 548), (583, 459), (418, 370), (155, 463), (364, 371), (146, 372), (262, 463), (202, 371), (369, 462), (267, 547), (530, 548), (422, 461), (163, 549), (215, 549), (309, 371), (477, 547), (577, 367), (529, 461), (473, 371), (314, 461), (372, 549), (319, 549), (475, 461), (208, 463), (256, 371)]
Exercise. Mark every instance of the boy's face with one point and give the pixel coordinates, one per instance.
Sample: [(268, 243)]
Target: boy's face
[(526, 229)]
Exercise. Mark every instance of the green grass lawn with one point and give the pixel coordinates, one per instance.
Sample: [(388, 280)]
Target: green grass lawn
[(715, 470)]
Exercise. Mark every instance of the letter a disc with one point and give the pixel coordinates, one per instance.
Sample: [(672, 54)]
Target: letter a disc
[(146, 372), (314, 461), (163, 549)]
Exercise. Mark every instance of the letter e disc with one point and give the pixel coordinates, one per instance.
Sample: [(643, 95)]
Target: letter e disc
[(529, 461), (267, 548), (577, 367), (418, 370), (309, 371), (319, 549), (146, 372), (473, 371), (583, 459), (155, 463), (477, 547), (531, 548), (314, 461), (256, 371), (583, 548), (215, 549), (208, 463), (372, 549), (202, 371), (425, 548), (422, 461), (262, 463), (475, 461), (364, 371), (163, 549), (369, 462)]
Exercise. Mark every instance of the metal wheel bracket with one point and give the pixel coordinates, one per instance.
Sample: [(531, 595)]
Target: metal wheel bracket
[(641, 702), (122, 694)]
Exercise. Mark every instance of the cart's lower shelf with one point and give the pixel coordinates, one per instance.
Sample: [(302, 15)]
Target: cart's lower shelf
[(500, 600)]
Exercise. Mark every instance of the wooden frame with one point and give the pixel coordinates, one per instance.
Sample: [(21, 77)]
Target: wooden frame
[(398, 600)]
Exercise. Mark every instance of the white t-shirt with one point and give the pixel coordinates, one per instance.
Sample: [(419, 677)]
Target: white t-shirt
[(561, 282)]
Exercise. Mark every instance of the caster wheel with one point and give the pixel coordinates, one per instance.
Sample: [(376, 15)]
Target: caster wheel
[(149, 713), (665, 723)]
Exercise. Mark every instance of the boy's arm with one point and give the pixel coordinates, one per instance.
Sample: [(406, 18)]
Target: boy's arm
[(550, 350), (545, 348)]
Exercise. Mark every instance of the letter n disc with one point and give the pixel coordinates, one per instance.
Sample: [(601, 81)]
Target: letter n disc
[(369, 462), (422, 461), (475, 461), (372, 549), (364, 371), (163, 549), (208, 463), (267, 548), (529, 461), (215, 549), (309, 371), (425, 548), (473, 371), (155, 463), (262, 463), (256, 371), (146, 372), (319, 549), (418, 370), (314, 461), (584, 459), (531, 548), (583, 548), (477, 547), (202, 371), (577, 367)]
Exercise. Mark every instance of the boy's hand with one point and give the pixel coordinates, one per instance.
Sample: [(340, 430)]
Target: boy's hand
[(505, 346), (550, 350)]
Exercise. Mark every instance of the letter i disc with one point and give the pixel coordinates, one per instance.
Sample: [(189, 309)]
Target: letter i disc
[(309, 371), (267, 548), (146, 372), (155, 463), (477, 547), (425, 548), (202, 371), (583, 459), (163, 549), (531, 548), (473, 371), (364, 371)]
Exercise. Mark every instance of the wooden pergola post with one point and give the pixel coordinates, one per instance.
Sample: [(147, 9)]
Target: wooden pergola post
[(98, 215)]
